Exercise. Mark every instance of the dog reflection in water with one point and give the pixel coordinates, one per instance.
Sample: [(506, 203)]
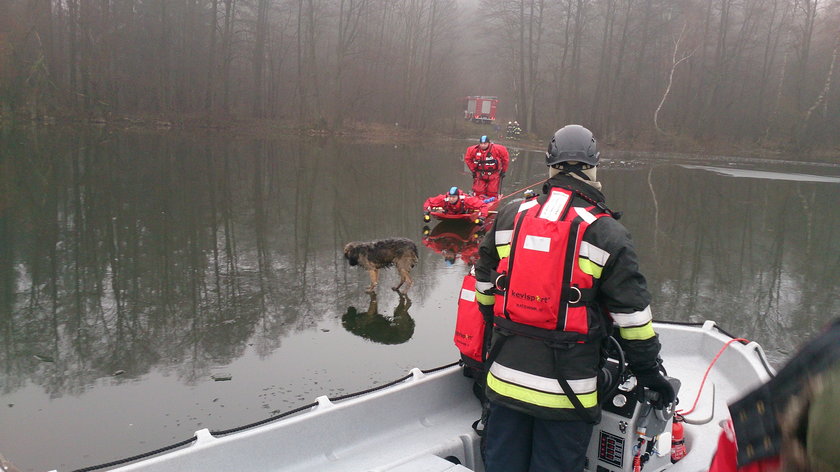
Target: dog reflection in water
[(380, 328), (375, 255)]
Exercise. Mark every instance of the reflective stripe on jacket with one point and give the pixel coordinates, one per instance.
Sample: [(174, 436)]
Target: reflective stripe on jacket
[(528, 358)]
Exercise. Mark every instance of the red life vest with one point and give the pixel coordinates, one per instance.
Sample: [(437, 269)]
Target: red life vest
[(546, 238), (484, 160), (456, 208), (470, 326)]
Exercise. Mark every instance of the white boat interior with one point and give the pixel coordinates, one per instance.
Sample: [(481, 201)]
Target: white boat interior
[(424, 423)]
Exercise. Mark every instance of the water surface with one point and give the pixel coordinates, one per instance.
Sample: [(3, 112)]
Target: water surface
[(136, 267)]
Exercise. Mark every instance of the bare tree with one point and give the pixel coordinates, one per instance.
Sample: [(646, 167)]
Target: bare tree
[(259, 57), (822, 97), (227, 52), (809, 9), (210, 84), (350, 16), (674, 63)]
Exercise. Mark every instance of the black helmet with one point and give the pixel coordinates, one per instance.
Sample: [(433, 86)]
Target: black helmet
[(484, 139), (453, 191), (572, 143)]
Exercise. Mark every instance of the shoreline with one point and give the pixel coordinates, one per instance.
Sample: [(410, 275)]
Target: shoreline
[(447, 130)]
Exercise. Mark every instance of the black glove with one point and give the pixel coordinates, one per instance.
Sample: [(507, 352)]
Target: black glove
[(486, 311), (655, 381), (502, 175), (473, 174)]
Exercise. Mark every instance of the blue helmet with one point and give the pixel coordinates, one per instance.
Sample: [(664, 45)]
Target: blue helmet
[(484, 139), (453, 191)]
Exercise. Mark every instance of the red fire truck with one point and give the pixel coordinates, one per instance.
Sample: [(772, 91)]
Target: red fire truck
[(481, 109)]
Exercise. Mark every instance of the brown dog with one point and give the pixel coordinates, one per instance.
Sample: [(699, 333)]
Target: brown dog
[(375, 255)]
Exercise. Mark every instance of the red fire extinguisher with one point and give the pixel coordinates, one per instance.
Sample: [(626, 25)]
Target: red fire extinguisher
[(678, 450)]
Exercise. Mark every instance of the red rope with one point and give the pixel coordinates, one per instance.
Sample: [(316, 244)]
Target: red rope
[(703, 382), (520, 190)]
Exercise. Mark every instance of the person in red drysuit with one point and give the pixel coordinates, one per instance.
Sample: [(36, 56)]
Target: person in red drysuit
[(456, 202), (488, 163)]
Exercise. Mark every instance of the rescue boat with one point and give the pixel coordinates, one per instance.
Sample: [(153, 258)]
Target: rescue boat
[(423, 421)]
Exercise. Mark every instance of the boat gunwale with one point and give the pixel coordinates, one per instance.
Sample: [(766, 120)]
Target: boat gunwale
[(751, 352)]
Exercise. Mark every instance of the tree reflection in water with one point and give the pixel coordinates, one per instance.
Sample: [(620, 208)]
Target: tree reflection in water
[(124, 253)]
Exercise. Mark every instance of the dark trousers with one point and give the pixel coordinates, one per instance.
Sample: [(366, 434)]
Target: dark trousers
[(517, 442)]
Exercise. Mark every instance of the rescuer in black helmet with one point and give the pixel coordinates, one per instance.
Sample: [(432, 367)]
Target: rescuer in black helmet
[(545, 357), (573, 150)]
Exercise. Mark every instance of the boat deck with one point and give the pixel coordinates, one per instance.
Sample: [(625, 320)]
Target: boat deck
[(419, 423), (411, 426)]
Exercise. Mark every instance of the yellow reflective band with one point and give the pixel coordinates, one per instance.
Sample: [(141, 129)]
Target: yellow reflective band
[(589, 267), (639, 333), (534, 397), (485, 299), (503, 251)]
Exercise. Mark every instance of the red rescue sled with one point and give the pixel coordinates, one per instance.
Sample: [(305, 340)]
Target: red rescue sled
[(469, 217)]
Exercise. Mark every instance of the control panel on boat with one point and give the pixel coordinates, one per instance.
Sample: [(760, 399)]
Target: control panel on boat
[(631, 426)]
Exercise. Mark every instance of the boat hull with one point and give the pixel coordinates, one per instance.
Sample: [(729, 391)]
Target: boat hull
[(438, 215), (424, 422)]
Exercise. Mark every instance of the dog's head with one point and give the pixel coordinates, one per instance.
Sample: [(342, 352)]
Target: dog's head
[(351, 253)]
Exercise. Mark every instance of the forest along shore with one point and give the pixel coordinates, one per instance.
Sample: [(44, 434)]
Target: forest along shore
[(446, 130)]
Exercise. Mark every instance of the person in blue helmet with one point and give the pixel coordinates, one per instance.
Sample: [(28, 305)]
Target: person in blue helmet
[(455, 203), (488, 163)]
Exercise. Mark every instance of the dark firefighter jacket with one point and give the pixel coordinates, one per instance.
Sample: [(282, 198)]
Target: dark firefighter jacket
[(523, 372)]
